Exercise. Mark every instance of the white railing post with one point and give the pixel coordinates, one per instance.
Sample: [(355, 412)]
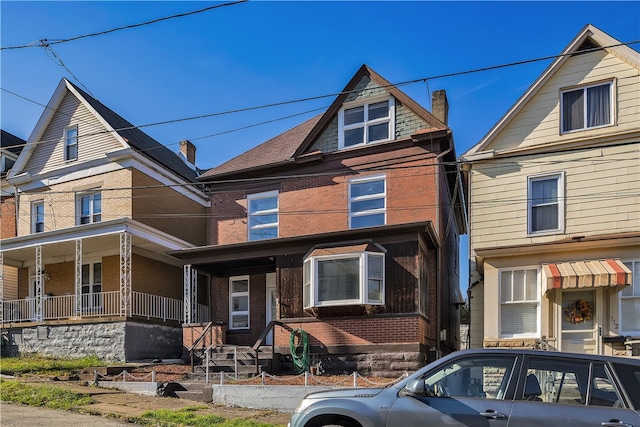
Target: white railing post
[(125, 274), (355, 379), (186, 285)]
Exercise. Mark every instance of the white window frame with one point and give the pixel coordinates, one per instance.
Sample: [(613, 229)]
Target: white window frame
[(232, 294), (92, 212), (367, 212), (266, 226), (504, 302), (7, 161), (311, 280), (585, 112), (70, 143), (634, 288), (35, 217), (366, 123), (560, 202), (92, 298)]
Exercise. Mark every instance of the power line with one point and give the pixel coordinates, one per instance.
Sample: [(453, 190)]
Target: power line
[(40, 43)]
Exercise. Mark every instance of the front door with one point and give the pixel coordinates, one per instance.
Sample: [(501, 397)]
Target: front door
[(271, 304), (579, 326)]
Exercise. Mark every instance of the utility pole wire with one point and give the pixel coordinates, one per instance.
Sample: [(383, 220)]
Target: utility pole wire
[(42, 42)]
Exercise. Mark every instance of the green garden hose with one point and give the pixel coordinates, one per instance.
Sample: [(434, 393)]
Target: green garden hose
[(299, 349)]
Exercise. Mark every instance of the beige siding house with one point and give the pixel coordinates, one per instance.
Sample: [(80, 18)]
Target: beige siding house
[(99, 205), (554, 208)]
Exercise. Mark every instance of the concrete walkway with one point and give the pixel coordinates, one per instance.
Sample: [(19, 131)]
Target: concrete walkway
[(27, 416)]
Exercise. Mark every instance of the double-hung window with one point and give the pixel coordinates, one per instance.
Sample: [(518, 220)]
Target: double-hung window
[(546, 203), (92, 285), (37, 217), (367, 202), (239, 302), (519, 303), (263, 215), (71, 143), (90, 208), (587, 107), (630, 302), (366, 123), (345, 279)]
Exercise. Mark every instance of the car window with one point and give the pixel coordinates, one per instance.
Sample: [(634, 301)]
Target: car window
[(630, 378), (603, 389), (483, 377)]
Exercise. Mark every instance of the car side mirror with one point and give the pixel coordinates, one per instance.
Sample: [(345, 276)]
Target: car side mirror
[(415, 388)]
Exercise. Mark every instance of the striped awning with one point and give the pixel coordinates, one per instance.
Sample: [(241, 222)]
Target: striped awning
[(586, 274)]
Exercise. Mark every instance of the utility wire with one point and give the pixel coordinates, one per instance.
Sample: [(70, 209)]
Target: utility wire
[(124, 27)]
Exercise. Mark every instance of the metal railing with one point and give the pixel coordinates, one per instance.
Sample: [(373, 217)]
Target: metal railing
[(94, 305)]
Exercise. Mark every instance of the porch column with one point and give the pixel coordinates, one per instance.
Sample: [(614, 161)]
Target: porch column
[(125, 274), (78, 278), (190, 294), (38, 288)]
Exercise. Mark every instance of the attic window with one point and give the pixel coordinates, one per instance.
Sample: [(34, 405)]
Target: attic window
[(366, 123), (587, 46), (71, 143), (587, 107)]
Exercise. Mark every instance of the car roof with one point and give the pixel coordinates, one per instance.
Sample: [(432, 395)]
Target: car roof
[(547, 353)]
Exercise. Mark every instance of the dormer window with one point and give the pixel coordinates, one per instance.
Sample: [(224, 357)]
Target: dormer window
[(587, 107), (366, 123), (71, 143)]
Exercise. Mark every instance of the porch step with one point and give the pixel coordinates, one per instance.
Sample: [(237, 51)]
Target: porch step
[(222, 360)]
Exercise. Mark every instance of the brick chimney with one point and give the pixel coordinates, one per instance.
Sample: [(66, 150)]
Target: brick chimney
[(440, 106), (188, 150)]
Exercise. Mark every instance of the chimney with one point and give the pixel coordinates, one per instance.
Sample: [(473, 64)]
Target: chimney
[(440, 106), (188, 150)]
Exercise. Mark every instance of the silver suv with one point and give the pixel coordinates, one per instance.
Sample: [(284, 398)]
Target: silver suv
[(491, 387)]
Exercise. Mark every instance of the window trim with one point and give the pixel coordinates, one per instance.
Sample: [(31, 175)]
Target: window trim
[(390, 119), (311, 281), (354, 214), (68, 145), (92, 299), (612, 103), (276, 225), (621, 297), (92, 212), (34, 216), (561, 198), (535, 334), (239, 312)]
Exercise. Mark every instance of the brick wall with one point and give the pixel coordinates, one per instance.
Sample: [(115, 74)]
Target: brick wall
[(7, 217)]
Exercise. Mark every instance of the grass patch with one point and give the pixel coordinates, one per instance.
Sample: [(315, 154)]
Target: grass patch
[(40, 365), (40, 395), (189, 417)]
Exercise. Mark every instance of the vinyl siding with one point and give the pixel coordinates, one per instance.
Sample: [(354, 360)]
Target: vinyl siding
[(93, 143), (602, 195), (539, 121)]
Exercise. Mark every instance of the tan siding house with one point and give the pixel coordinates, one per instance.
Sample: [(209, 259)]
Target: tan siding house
[(554, 208), (99, 205)]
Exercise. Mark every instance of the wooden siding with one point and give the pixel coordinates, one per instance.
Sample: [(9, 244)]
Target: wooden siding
[(602, 195), (539, 121), (93, 143)]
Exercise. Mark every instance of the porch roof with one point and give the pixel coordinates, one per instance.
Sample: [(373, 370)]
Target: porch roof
[(585, 274), (96, 237)]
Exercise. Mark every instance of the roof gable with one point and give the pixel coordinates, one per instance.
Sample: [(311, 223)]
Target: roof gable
[(589, 40), (299, 141), (104, 121)]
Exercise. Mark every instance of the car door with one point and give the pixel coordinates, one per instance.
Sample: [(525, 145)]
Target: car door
[(471, 391), (566, 392)]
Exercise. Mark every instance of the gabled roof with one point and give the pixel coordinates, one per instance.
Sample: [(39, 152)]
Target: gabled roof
[(296, 141), (588, 38), (129, 135), (11, 143)]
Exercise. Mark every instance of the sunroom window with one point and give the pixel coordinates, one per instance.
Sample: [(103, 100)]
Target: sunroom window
[(587, 107), (366, 123), (345, 279)]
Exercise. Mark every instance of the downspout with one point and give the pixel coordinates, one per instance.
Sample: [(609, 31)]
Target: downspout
[(17, 208), (440, 251)]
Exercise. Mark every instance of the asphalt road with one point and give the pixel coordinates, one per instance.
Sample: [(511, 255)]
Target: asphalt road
[(27, 416)]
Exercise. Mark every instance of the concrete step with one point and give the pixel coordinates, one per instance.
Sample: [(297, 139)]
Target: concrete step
[(190, 390)]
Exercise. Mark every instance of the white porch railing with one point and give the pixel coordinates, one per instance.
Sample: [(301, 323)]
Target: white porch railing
[(97, 305)]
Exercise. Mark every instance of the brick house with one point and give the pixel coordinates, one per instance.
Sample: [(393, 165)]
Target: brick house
[(554, 218), (343, 229), (99, 203)]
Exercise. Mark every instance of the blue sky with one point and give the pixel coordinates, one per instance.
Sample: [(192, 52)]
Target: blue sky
[(264, 52)]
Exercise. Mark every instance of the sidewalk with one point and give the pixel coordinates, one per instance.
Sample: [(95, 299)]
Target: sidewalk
[(126, 406)]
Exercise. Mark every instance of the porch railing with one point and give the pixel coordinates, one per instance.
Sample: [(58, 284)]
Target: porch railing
[(97, 305)]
